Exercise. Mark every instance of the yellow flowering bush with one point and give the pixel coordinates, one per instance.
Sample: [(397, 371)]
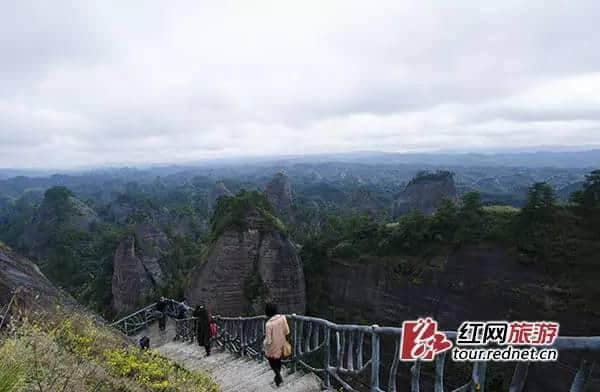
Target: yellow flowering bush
[(76, 353)]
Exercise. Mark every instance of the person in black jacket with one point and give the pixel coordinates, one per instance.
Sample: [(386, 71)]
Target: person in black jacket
[(161, 307), (202, 327)]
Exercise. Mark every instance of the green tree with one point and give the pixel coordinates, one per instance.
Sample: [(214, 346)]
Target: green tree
[(536, 221), (445, 221), (590, 195), (541, 202), (56, 199), (470, 218)]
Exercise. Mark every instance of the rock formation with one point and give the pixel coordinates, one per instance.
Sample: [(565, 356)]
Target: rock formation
[(151, 244), (130, 281), (17, 272), (137, 272), (426, 192), (247, 267), (58, 209), (279, 193)]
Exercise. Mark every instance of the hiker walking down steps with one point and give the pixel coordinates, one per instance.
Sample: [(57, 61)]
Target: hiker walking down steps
[(161, 308), (276, 330), (202, 327)]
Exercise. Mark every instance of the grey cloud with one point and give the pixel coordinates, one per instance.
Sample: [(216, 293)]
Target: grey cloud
[(104, 82)]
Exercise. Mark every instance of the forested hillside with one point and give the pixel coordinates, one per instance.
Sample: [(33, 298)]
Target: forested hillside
[(91, 232)]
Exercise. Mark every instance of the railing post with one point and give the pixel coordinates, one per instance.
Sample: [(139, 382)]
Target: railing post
[(241, 335), (295, 347), (374, 359), (327, 357), (263, 334)]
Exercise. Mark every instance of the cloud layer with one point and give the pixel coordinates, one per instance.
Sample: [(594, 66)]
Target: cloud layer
[(150, 81)]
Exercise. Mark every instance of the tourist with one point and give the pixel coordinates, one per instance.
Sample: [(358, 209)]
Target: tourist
[(181, 309), (202, 327), (161, 306), (276, 330)]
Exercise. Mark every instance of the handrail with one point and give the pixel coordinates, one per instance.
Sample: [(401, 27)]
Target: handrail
[(337, 351), (145, 316)]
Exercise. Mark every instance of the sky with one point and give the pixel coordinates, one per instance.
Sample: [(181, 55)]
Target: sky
[(111, 82)]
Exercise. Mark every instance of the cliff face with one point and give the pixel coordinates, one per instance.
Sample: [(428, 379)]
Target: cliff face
[(279, 193), (245, 268), (469, 284), (18, 272), (130, 281), (137, 272), (425, 193), (151, 245)]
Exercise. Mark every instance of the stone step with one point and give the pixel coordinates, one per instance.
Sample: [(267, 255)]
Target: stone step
[(231, 372)]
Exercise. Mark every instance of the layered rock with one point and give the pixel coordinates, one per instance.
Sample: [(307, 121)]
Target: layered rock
[(248, 266), (425, 193), (279, 193), (152, 244), (472, 283), (130, 281), (19, 274), (137, 272)]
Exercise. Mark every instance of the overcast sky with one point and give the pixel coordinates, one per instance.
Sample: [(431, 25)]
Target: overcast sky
[(172, 81)]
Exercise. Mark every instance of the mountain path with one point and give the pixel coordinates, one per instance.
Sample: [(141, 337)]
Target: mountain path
[(231, 372)]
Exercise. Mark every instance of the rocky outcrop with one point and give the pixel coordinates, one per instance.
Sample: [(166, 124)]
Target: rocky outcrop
[(18, 273), (279, 193), (130, 281), (137, 272), (247, 267), (64, 211), (218, 190), (473, 283), (425, 193), (151, 245)]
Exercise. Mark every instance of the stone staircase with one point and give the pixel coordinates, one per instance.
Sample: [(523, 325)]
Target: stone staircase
[(231, 372)]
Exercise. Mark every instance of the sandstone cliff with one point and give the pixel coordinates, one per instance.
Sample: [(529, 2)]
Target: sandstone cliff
[(17, 272), (474, 283), (246, 266), (130, 281), (425, 193), (137, 273), (279, 193), (151, 245)]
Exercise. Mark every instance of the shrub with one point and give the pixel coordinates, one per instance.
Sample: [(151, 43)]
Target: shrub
[(72, 352)]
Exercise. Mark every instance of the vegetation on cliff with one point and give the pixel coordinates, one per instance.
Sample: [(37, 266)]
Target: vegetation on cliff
[(234, 211), (542, 231), (425, 175)]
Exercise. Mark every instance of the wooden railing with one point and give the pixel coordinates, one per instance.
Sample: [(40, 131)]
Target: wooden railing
[(349, 356)]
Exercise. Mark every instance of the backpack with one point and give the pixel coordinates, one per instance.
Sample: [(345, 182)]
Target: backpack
[(212, 329)]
